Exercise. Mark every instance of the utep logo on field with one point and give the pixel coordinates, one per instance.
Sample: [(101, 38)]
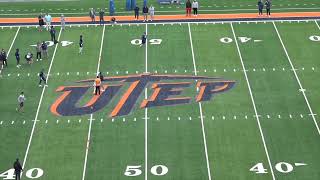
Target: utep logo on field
[(164, 93)]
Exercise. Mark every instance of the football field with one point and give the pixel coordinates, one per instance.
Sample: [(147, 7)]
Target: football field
[(198, 101)]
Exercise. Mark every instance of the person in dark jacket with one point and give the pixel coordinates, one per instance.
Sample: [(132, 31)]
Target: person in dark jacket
[(101, 16), (268, 7), (260, 7), (188, 8), (136, 12), (17, 169), (17, 55), (53, 35), (3, 57), (145, 11)]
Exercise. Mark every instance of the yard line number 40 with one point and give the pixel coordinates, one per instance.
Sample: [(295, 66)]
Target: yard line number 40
[(282, 167), (33, 173)]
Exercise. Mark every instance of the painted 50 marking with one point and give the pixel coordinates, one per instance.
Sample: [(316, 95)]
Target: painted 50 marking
[(151, 41)]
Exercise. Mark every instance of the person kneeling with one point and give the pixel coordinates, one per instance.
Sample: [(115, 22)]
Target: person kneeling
[(28, 57)]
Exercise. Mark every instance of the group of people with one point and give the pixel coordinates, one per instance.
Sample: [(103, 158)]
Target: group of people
[(92, 15), (194, 6), (261, 6), (145, 11)]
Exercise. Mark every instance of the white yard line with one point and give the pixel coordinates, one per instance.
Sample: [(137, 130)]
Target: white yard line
[(14, 39), (253, 103), (146, 115), (317, 24), (39, 105), (200, 108), (91, 116), (302, 90)]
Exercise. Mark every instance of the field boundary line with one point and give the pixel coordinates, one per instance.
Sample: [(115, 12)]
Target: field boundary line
[(146, 113), (172, 22), (91, 115), (14, 39), (40, 102), (253, 103), (200, 108), (302, 90)]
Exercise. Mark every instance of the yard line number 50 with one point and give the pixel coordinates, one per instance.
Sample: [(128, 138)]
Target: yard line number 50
[(157, 170), (33, 173), (151, 41)]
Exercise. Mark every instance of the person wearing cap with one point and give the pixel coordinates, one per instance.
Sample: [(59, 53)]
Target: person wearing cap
[(17, 169)]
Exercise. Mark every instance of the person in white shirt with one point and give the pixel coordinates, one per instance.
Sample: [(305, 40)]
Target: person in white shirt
[(21, 100), (195, 7), (151, 11), (48, 20), (63, 22)]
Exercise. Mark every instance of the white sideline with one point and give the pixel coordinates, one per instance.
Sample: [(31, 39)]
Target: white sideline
[(297, 78), (91, 116), (253, 103), (146, 115), (40, 102), (200, 108)]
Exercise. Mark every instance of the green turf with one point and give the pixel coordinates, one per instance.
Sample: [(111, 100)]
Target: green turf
[(175, 139)]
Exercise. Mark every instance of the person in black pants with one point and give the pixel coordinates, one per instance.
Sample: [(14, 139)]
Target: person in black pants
[(3, 57), (17, 169), (268, 7), (136, 12), (42, 78), (260, 7), (53, 35), (101, 16), (17, 54)]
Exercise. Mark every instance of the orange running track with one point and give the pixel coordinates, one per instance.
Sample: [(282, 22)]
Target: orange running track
[(238, 16)]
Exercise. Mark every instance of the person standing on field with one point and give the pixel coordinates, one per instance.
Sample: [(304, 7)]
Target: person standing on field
[(188, 8), (38, 50), (17, 55), (17, 169), (80, 45), (63, 22), (44, 48), (101, 16), (92, 15), (145, 11), (97, 83), (53, 35), (136, 13), (41, 22), (268, 7), (48, 20), (151, 11), (195, 6), (21, 100)]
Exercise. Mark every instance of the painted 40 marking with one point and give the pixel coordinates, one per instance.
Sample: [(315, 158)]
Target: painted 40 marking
[(33, 173), (282, 167)]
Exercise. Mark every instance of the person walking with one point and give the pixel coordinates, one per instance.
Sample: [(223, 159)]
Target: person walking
[(195, 6), (17, 169), (42, 77), (53, 35), (145, 11), (48, 20), (268, 7), (81, 45), (260, 7), (188, 8), (136, 13), (101, 16), (21, 100), (143, 39), (92, 15), (151, 12), (63, 22)]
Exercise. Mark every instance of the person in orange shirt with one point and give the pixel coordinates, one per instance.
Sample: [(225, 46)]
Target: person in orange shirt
[(97, 83)]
